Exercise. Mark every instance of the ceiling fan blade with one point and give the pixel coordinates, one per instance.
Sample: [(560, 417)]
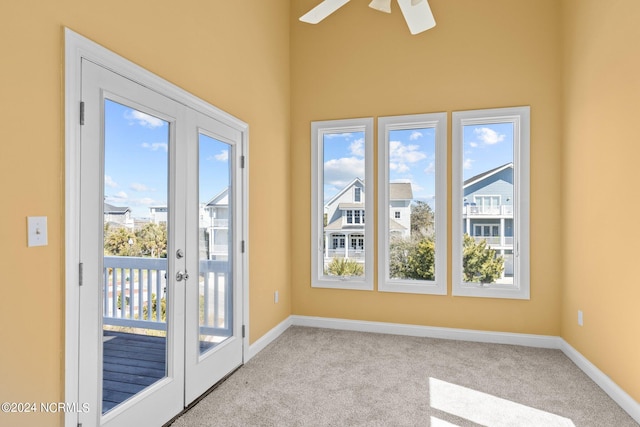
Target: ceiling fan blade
[(381, 5), (419, 17), (321, 11)]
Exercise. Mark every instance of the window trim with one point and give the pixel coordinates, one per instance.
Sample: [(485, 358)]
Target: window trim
[(318, 130), (438, 121), (520, 117)]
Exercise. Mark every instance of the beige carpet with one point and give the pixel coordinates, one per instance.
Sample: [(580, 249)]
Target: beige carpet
[(321, 377)]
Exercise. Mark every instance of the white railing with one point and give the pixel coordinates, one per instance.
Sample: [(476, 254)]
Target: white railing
[(495, 240), (221, 222), (502, 210), (341, 253), (135, 287)]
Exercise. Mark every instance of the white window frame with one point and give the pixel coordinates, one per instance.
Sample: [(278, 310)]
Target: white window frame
[(318, 130), (520, 118), (438, 121)]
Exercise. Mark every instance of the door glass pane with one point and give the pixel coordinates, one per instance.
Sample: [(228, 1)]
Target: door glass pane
[(344, 202), (488, 199), (412, 204), (215, 282), (134, 298)]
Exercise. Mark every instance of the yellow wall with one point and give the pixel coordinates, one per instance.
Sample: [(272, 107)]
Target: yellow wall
[(488, 54), (602, 95), (234, 54), (256, 61)]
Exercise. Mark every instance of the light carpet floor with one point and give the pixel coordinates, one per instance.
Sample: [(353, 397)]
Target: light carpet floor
[(322, 377)]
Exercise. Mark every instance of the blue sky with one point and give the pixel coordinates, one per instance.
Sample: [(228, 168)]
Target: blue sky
[(486, 147), (136, 161), (412, 156)]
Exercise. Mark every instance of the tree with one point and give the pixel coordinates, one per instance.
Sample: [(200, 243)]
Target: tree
[(479, 261), (412, 259), (119, 241), (422, 221), (344, 267), (153, 240)]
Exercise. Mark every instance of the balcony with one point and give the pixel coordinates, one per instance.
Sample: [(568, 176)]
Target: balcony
[(134, 351), (496, 241), (501, 210), (342, 253)]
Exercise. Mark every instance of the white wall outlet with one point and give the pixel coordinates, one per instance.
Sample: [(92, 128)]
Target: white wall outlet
[(276, 297), (37, 231), (580, 318)]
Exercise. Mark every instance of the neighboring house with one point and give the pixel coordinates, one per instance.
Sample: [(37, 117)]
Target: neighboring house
[(158, 214), (116, 216), (344, 234), (488, 211), (214, 219)]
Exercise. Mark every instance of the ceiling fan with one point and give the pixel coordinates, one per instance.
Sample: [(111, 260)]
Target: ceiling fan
[(417, 13)]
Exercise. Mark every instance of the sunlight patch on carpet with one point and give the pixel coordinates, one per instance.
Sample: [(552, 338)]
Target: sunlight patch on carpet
[(488, 410)]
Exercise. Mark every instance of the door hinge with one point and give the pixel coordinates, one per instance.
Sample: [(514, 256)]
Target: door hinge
[(79, 424), (80, 270), (243, 331), (242, 247), (242, 162), (81, 113)]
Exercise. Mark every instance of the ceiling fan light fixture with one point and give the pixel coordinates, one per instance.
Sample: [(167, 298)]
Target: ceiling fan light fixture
[(381, 5)]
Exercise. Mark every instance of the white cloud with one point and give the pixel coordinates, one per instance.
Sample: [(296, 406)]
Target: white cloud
[(489, 136), (468, 163), (431, 169), (155, 146), (135, 186), (142, 119), (399, 167), (109, 182), (473, 144), (401, 156), (357, 147), (119, 197), (340, 172), (147, 201), (338, 135), (223, 156), (415, 135)]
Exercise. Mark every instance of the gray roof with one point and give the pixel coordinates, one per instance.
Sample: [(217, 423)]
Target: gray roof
[(115, 210), (486, 174), (400, 191)]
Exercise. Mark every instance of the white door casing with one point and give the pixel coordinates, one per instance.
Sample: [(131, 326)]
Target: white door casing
[(187, 375)]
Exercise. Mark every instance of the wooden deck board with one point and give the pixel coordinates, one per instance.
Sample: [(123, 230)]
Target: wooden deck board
[(132, 362)]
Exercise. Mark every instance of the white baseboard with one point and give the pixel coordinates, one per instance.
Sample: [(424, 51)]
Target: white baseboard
[(614, 391), (540, 341), (267, 339)]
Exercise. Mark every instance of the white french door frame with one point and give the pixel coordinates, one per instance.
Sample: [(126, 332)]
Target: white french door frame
[(77, 49)]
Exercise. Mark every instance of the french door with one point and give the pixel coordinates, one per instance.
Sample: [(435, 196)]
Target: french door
[(161, 257)]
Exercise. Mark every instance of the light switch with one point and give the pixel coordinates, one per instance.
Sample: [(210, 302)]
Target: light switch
[(37, 230)]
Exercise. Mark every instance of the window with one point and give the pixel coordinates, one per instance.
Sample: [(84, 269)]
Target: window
[(412, 209), (342, 190), (490, 190)]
